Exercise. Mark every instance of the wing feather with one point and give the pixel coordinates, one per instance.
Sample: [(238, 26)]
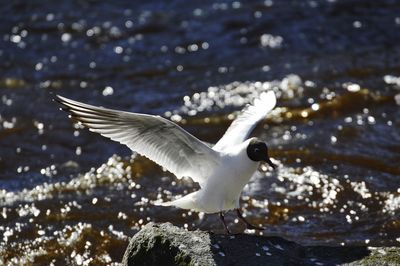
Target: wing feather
[(242, 126), (155, 137)]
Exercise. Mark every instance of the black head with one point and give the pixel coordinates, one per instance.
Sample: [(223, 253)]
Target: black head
[(258, 151)]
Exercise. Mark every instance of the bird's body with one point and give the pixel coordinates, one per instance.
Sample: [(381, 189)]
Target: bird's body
[(222, 189), (222, 171)]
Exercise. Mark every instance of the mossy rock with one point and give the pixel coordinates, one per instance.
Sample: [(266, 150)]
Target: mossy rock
[(165, 244)]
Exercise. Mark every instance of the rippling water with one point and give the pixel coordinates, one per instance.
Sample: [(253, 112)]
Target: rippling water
[(70, 196)]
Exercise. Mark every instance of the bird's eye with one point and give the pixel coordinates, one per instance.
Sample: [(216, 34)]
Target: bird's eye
[(256, 149)]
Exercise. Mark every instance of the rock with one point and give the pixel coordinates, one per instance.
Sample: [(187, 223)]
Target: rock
[(381, 256), (165, 244)]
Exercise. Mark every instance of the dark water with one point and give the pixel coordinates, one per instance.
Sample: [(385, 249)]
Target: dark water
[(68, 196)]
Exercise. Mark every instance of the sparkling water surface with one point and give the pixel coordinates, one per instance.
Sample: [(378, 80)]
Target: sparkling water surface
[(69, 196)]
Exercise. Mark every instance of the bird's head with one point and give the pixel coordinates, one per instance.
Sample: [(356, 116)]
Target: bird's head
[(258, 151)]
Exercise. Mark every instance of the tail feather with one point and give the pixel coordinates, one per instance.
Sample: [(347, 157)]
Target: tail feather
[(187, 202)]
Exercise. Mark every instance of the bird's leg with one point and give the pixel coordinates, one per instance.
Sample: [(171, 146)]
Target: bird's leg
[(221, 216), (249, 225)]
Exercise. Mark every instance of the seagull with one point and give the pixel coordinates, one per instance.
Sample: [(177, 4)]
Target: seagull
[(222, 170)]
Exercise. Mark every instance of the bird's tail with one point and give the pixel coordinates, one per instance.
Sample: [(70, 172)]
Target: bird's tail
[(187, 202)]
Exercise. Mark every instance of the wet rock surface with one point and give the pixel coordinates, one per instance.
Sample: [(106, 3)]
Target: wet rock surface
[(167, 244)]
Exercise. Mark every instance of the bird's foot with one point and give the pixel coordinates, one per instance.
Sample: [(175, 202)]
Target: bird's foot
[(249, 225), (221, 216)]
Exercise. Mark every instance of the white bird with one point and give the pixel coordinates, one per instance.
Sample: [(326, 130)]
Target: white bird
[(221, 171)]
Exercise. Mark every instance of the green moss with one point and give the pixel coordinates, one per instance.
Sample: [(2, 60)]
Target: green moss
[(382, 256), (182, 259)]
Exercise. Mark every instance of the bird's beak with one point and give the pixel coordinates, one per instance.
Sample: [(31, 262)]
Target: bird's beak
[(268, 161)]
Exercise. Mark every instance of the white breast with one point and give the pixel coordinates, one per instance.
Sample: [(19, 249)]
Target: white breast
[(222, 189)]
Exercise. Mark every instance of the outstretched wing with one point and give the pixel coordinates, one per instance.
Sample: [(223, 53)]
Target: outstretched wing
[(242, 126), (155, 137)]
